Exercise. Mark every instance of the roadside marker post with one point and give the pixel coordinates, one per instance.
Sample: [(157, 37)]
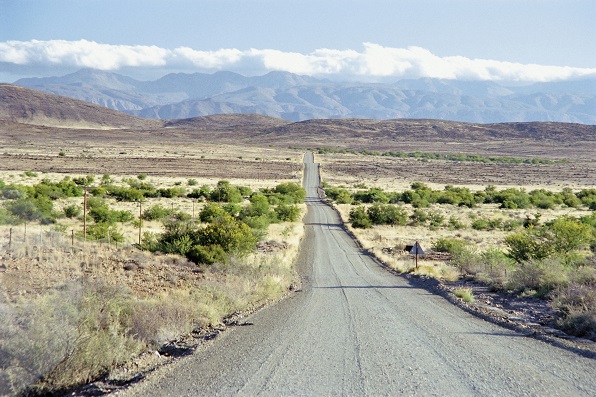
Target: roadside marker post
[(417, 250)]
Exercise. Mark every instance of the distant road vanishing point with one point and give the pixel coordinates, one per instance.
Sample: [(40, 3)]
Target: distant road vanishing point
[(356, 330)]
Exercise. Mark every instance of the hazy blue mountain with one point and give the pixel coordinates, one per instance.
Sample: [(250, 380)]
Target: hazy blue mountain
[(296, 98)]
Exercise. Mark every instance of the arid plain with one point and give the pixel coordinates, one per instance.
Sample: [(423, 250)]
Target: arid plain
[(68, 139)]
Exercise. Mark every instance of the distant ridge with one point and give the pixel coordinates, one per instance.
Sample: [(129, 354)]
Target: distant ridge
[(297, 98), (228, 122), (23, 109)]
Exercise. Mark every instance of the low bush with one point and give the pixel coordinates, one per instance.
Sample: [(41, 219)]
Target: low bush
[(211, 212), (538, 277), (287, 213), (72, 211), (156, 212), (466, 259), (451, 245), (359, 218), (387, 214), (68, 337), (464, 294)]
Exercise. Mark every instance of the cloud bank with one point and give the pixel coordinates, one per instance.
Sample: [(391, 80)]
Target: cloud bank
[(372, 62)]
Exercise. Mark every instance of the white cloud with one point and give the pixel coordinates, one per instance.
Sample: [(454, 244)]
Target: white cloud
[(207, 59), (82, 53), (374, 61)]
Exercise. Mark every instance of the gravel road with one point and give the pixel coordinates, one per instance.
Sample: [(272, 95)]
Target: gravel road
[(356, 330)]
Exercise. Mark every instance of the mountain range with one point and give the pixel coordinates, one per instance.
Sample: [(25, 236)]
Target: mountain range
[(296, 98)]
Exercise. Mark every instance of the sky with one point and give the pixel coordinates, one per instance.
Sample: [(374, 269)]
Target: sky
[(366, 40)]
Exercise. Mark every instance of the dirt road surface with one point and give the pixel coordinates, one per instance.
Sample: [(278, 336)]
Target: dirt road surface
[(356, 330)]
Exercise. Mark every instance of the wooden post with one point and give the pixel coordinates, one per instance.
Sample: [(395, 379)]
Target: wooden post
[(85, 214), (140, 219)]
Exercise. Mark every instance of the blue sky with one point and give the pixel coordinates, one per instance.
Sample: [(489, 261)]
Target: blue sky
[(519, 40)]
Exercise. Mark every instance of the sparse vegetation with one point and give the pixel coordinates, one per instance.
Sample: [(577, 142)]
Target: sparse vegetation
[(85, 328), (422, 196), (157, 296), (440, 156), (527, 253)]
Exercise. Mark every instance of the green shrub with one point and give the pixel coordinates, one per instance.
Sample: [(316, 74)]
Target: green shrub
[(466, 259), (527, 245), (156, 212), (100, 231), (419, 217), (293, 191), (464, 294), (567, 234), (435, 219), (258, 222), (27, 210), (372, 195), (344, 197), (72, 211), (172, 192), (563, 236), (211, 212), (106, 179), (359, 218), (451, 245), (128, 194), (455, 224), (207, 255), (225, 192), (538, 276), (287, 213), (387, 214), (233, 236), (512, 224), (202, 192)]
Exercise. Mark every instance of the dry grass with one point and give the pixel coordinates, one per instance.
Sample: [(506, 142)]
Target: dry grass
[(464, 294), (58, 293)]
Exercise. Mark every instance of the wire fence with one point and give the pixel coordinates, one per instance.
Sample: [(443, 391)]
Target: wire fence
[(17, 238)]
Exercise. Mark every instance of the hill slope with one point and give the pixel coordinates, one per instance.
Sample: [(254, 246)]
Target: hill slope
[(27, 106)]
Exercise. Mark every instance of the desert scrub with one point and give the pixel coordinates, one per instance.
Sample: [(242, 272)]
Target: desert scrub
[(79, 331), (65, 338), (464, 294), (576, 303)]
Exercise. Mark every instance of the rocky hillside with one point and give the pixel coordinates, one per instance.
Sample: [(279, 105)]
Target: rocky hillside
[(27, 106)]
